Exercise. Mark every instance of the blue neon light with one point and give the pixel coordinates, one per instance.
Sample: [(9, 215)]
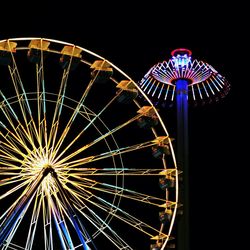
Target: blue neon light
[(181, 60)]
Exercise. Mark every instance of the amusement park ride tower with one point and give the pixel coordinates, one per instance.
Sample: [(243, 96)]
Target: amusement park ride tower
[(184, 80)]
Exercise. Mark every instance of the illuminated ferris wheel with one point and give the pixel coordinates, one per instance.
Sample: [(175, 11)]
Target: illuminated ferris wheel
[(85, 159)]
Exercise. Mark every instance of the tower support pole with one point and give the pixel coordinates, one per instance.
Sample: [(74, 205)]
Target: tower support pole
[(182, 162)]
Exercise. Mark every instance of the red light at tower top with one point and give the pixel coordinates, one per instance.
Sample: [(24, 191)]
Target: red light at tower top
[(181, 51), (204, 82)]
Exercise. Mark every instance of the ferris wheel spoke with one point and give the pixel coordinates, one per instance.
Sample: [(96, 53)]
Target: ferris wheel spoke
[(22, 98), (12, 161), (81, 232), (57, 111), (105, 229), (141, 112), (10, 148), (10, 223), (8, 112), (47, 220), (8, 156), (32, 185), (101, 225), (130, 219), (21, 135), (116, 191), (33, 222), (13, 171), (118, 213), (61, 226), (64, 238), (97, 140), (15, 177), (119, 172), (74, 53), (112, 153), (115, 152), (88, 118), (8, 244), (14, 189), (41, 93)]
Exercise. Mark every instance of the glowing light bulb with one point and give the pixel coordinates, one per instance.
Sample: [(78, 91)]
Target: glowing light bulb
[(181, 58)]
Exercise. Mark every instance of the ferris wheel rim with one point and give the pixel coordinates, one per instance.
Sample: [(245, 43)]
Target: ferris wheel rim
[(121, 72)]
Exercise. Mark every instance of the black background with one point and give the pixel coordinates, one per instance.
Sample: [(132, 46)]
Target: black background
[(135, 36)]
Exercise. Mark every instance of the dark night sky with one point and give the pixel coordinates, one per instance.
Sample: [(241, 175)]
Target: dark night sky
[(134, 39)]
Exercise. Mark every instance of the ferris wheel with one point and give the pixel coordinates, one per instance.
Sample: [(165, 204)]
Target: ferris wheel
[(85, 159)]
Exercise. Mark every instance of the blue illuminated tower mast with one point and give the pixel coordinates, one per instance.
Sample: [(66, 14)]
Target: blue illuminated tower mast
[(182, 59), (182, 79)]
